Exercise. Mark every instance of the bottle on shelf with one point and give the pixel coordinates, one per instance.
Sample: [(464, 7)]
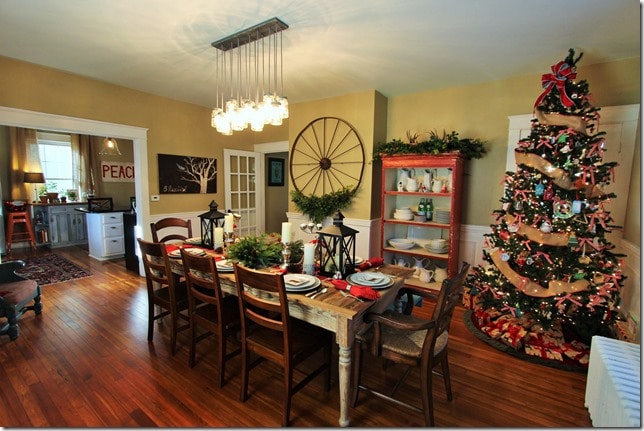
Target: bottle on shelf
[(429, 210), (421, 206)]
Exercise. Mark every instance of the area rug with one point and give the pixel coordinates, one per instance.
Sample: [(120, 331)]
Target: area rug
[(51, 268), (566, 364)]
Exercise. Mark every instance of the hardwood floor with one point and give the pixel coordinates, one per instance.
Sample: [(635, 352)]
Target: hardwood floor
[(86, 362)]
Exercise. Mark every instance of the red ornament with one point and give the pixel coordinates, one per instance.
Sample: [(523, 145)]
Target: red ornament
[(504, 235)]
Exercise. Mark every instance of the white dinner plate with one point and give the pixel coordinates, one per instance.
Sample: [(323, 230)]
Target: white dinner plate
[(224, 265), (195, 240), (371, 279), (302, 289), (359, 260), (299, 281), (193, 251)]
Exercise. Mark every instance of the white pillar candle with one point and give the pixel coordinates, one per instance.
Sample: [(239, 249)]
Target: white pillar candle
[(219, 236), (309, 254), (286, 231), (228, 223)]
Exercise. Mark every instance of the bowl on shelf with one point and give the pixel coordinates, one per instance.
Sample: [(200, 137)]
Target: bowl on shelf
[(438, 243), (441, 250), (404, 213), (402, 243), (420, 217)]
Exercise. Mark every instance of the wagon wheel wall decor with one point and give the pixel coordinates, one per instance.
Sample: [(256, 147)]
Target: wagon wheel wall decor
[(326, 157)]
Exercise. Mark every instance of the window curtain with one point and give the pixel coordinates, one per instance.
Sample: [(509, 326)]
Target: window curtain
[(23, 151), (82, 162)]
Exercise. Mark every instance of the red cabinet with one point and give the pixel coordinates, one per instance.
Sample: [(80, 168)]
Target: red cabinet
[(406, 181)]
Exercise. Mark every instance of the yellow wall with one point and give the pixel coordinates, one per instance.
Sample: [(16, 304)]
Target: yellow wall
[(482, 111), (477, 111), (173, 127), (366, 113)]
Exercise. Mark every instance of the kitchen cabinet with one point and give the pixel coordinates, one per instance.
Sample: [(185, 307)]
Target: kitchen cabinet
[(105, 235), (59, 225), (404, 179)]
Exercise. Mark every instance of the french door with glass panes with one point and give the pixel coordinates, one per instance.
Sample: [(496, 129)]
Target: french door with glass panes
[(243, 190)]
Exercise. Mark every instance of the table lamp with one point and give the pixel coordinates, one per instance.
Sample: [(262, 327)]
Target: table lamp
[(34, 178)]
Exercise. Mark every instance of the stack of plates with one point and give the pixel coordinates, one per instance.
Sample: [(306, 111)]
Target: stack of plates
[(300, 282), (193, 251), (195, 241), (224, 265), (376, 280), (441, 215), (437, 250)]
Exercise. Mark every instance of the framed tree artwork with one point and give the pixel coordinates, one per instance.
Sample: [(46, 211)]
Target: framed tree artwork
[(275, 172), (187, 174)]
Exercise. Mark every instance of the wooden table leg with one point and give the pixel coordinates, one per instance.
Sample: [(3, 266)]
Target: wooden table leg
[(344, 337), (344, 379)]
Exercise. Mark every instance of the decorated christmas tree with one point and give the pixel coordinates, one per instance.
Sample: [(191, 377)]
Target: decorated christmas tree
[(551, 281)]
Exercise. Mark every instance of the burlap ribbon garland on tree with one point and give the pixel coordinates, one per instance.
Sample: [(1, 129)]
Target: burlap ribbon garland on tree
[(531, 288), (558, 175)]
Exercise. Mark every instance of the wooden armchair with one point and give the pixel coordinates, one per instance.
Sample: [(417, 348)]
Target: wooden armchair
[(403, 338), (172, 224), (16, 292)]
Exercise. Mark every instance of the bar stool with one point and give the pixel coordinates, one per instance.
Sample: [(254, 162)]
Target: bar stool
[(14, 218)]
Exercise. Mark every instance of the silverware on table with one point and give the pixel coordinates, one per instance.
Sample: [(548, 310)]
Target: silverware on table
[(320, 292), (348, 295), (314, 292)]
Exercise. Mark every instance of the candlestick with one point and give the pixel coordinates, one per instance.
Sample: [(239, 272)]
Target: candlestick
[(286, 232), (228, 223), (286, 256)]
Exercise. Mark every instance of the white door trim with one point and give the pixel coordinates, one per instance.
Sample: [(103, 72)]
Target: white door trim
[(60, 123)]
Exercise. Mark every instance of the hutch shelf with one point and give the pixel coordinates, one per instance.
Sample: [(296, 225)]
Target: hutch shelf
[(436, 177)]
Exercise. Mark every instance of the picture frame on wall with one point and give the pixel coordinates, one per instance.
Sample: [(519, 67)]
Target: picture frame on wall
[(187, 174), (275, 172)]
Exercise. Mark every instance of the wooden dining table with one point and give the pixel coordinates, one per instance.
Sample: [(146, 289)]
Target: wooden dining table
[(342, 315)]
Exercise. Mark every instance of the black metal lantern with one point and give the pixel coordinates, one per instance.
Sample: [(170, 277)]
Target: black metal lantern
[(336, 248), (209, 221)]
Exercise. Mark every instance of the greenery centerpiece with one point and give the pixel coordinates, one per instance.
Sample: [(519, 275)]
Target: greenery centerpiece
[(434, 144), (317, 208), (263, 251)]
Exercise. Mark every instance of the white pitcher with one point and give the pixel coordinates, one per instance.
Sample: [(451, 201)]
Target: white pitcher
[(412, 184), (405, 174), (437, 185), (440, 274), (427, 179), (425, 275)]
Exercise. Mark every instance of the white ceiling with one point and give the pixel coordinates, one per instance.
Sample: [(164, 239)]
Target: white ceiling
[(333, 47)]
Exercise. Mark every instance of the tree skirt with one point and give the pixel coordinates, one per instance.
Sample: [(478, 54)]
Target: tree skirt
[(50, 269), (563, 363)]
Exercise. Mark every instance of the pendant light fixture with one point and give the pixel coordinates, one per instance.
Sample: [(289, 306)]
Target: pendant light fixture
[(110, 147), (249, 75)]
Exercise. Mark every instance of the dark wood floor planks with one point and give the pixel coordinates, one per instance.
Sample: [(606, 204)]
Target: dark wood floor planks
[(86, 362)]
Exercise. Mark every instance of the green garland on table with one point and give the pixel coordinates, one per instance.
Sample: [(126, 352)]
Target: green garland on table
[(320, 207), (469, 148), (263, 251)]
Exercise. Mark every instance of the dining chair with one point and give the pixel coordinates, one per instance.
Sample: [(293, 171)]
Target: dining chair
[(270, 333), (16, 296), (172, 224), (403, 338), (209, 309), (164, 290)]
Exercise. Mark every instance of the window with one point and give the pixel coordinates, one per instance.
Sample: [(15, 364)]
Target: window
[(55, 150)]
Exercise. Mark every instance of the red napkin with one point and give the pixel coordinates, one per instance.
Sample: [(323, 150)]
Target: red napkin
[(364, 292), (371, 263)]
